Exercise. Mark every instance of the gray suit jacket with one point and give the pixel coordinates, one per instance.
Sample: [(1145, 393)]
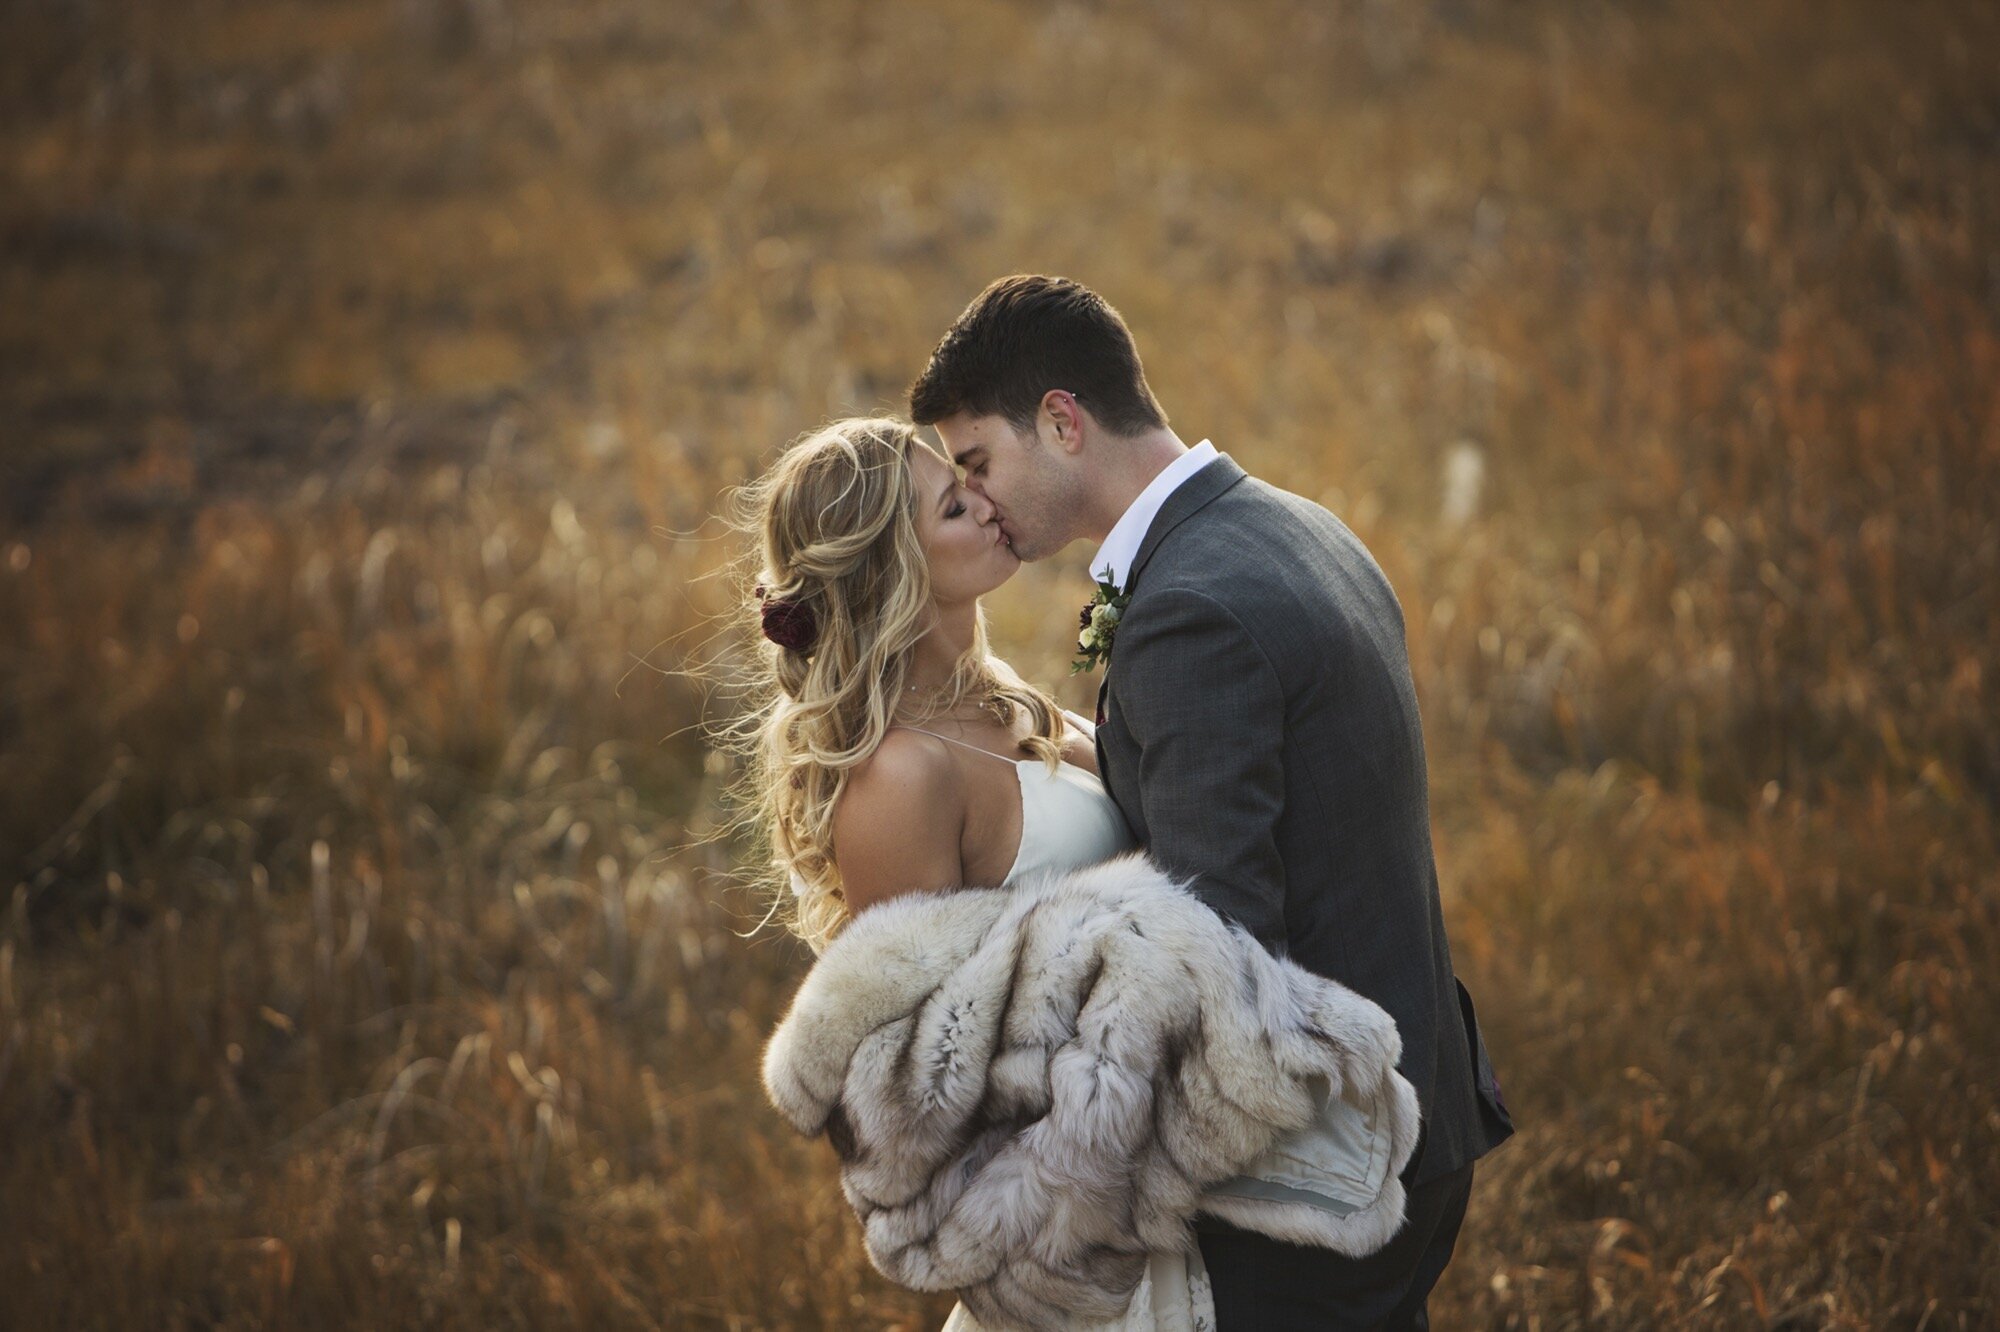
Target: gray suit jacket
[(1260, 732)]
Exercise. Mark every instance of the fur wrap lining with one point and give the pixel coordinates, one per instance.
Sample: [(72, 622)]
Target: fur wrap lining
[(1031, 1088)]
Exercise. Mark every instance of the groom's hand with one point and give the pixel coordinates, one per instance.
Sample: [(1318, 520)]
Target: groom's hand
[(1208, 712)]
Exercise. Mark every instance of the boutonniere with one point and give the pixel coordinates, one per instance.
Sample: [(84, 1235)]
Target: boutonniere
[(1098, 624)]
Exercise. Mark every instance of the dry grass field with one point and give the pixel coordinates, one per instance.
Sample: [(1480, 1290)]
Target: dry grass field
[(371, 370)]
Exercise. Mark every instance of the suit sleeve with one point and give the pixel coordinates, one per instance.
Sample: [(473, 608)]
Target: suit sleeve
[(1207, 711)]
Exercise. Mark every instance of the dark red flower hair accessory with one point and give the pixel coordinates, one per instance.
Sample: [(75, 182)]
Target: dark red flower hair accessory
[(789, 624)]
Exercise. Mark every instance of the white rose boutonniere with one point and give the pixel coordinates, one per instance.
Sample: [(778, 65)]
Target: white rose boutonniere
[(1098, 624)]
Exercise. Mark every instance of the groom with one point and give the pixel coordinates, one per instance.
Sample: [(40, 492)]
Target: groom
[(1258, 729)]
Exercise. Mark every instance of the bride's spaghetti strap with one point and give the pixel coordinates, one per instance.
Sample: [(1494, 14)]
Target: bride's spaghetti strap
[(960, 743)]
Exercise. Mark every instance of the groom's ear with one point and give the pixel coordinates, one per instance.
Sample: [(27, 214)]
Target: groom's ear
[(1060, 421)]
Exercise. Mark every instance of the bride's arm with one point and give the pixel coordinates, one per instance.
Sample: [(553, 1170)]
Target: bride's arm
[(1085, 754), (899, 825)]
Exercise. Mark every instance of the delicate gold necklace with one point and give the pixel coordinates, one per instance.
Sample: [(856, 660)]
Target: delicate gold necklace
[(991, 706)]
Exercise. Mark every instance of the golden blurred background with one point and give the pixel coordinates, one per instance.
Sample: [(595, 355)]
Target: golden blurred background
[(372, 372)]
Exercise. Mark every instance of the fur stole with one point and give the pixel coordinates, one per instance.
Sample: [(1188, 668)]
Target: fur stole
[(1031, 1088)]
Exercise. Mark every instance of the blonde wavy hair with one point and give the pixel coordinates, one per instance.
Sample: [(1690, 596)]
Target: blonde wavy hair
[(835, 520)]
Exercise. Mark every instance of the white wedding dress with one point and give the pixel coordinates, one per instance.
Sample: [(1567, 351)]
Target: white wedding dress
[(1069, 821)]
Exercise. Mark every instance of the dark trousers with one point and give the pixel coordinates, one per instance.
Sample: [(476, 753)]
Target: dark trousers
[(1268, 1285)]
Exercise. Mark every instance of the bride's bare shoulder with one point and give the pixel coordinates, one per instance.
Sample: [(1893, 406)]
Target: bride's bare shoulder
[(898, 823), (903, 760)]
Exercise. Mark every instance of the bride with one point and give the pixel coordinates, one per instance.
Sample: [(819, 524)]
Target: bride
[(894, 754), (900, 740)]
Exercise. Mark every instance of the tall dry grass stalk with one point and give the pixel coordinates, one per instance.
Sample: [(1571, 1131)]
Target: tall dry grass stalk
[(367, 953)]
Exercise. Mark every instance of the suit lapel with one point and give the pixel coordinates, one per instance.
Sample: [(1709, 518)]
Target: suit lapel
[(1190, 498), (1193, 495), (1097, 729)]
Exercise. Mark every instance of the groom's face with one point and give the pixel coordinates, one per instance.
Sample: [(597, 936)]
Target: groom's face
[(1026, 480)]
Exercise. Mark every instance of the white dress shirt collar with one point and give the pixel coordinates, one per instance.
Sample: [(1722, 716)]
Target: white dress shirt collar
[(1121, 547)]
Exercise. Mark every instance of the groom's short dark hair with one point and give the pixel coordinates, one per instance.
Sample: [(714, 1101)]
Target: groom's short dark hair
[(1025, 335)]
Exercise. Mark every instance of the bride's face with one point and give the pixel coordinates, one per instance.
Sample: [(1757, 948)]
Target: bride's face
[(969, 555)]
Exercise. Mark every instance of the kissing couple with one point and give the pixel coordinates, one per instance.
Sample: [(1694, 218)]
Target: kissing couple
[(1146, 1022)]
